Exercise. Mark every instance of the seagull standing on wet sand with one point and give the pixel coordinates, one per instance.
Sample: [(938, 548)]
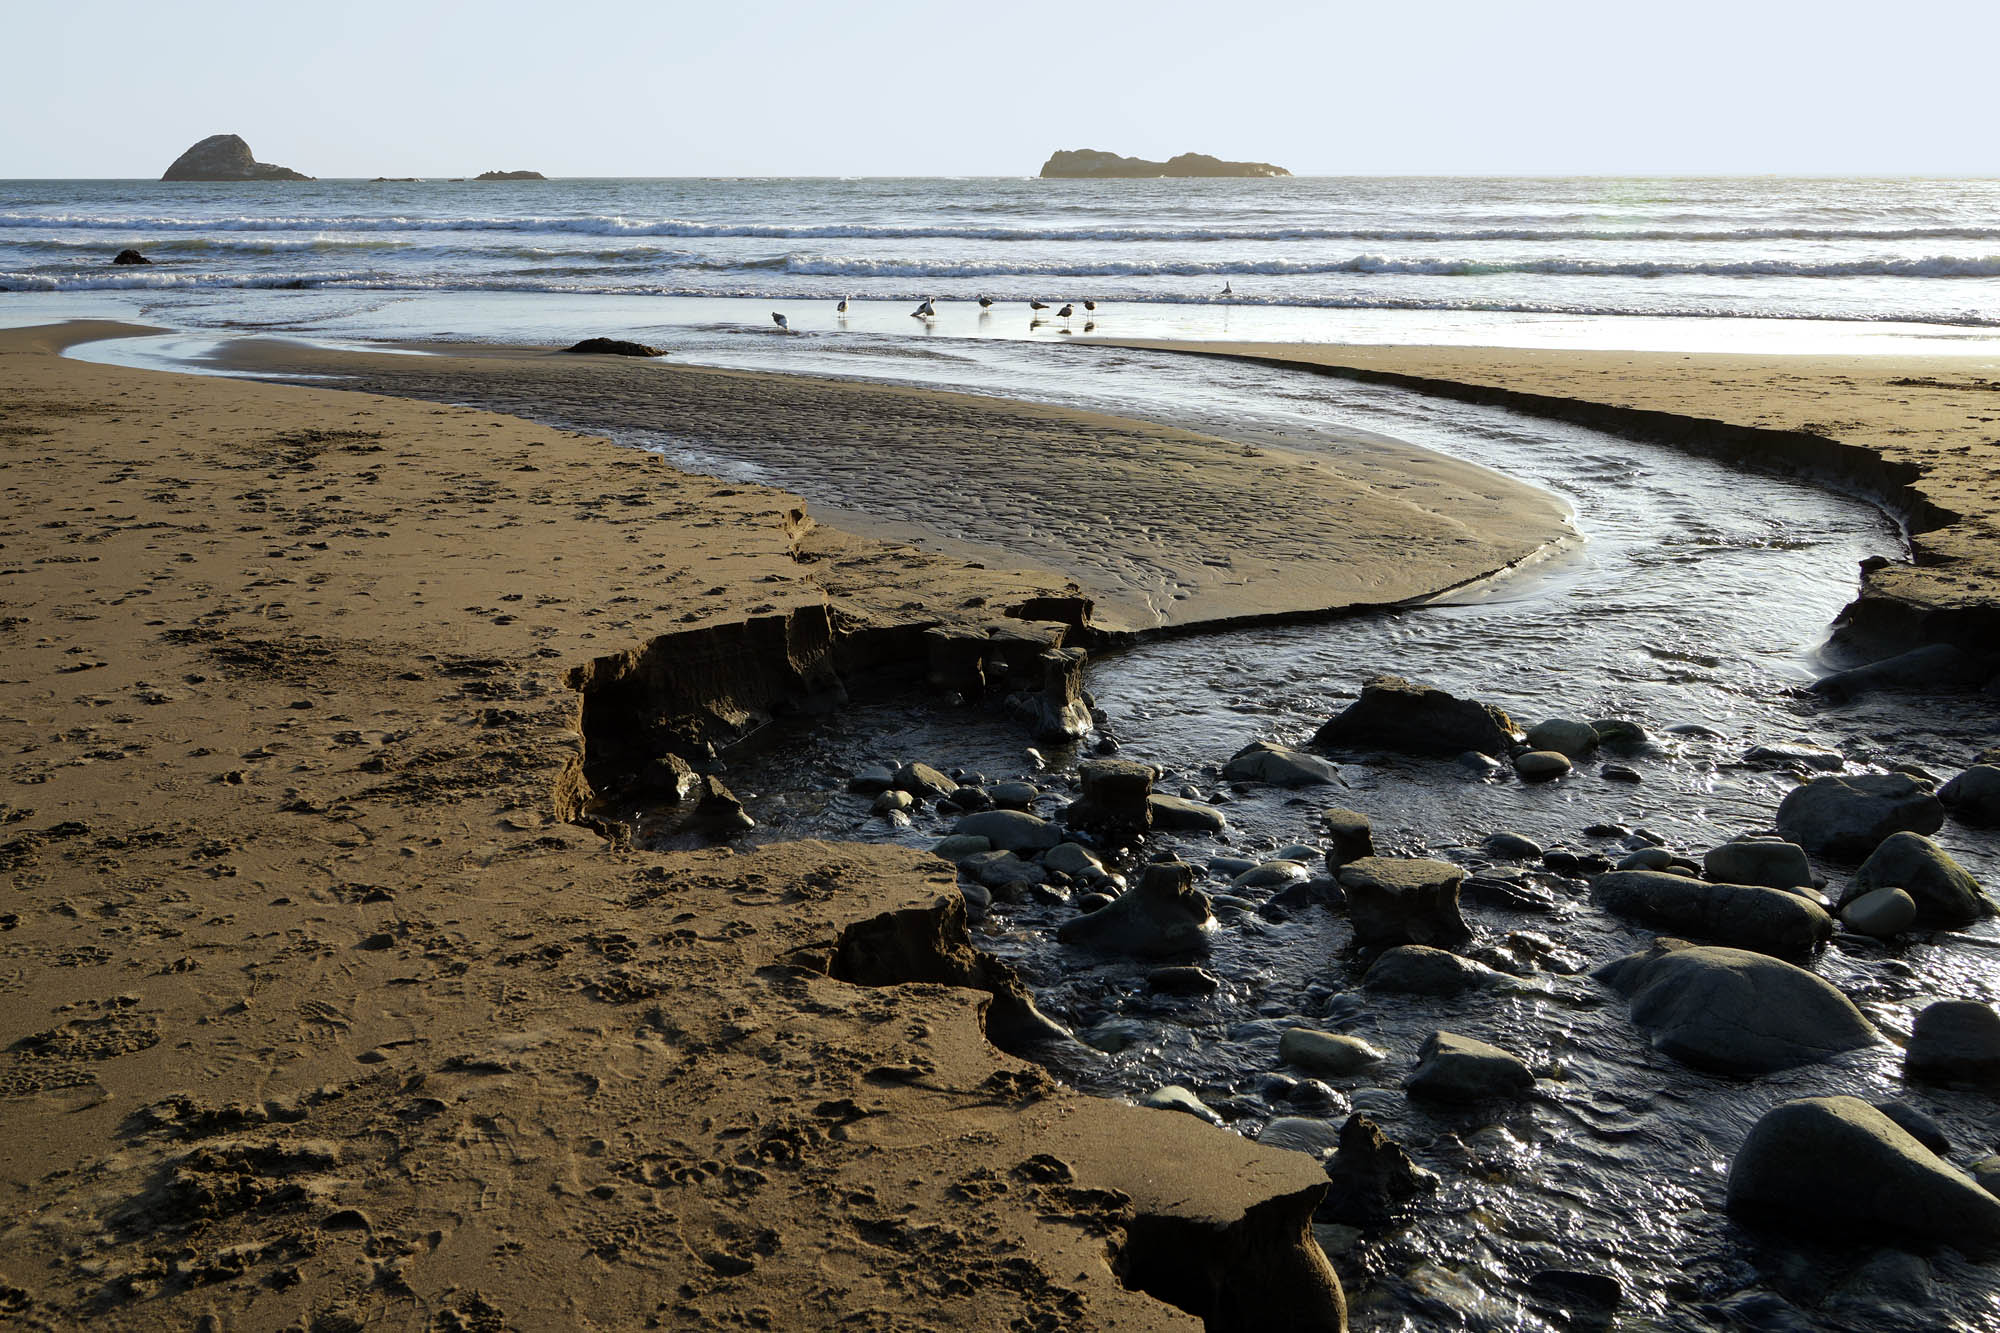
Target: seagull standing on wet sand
[(1066, 311), (841, 309), (1089, 309), (784, 325), (985, 303), (925, 311), (1036, 306)]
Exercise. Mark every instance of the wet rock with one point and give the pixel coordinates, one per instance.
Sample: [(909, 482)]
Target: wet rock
[(1576, 1300), (1973, 797), (1620, 733), (1541, 765), (892, 800), (1183, 980), (1648, 858), (1070, 859), (1013, 795), (1935, 668), (1848, 817), (1314, 1137), (1482, 767), (1394, 900), (978, 898), (1917, 1125), (1179, 815), (1566, 736), (1795, 754), (1352, 836), (1279, 765), (1058, 712), (969, 798), (1163, 915), (1334, 1054), (1269, 875), (872, 778), (1565, 862), (667, 777), (1412, 718), (1173, 1097), (717, 808), (1838, 1165), (923, 780), (958, 846), (125, 257), (613, 347), (1987, 1172), (1945, 895), (1417, 969), (1881, 913), (1620, 773), (1093, 902), (1371, 1178), (1458, 1069), (1743, 916), (1765, 861), (1003, 872), (1509, 895), (1115, 800), (1731, 1011), (1010, 830), (1955, 1041), (1511, 847)]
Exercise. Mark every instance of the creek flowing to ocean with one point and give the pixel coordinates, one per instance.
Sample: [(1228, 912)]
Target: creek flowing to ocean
[(1692, 604)]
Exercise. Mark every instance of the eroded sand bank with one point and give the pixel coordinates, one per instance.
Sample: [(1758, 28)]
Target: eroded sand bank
[(319, 1015)]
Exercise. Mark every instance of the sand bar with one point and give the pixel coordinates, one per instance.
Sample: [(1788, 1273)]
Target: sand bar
[(320, 1015), (1919, 435), (1159, 526)]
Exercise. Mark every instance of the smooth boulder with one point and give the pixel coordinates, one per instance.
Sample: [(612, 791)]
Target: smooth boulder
[(1731, 1011), (1331, 1053), (1935, 668), (1945, 895), (1418, 969), (1010, 830), (1177, 814), (1541, 765), (1404, 900), (1413, 718), (1838, 1165), (1848, 817), (1880, 913), (1279, 765), (1973, 797), (1743, 916), (1955, 1041), (1452, 1068), (1564, 735), (127, 257), (1162, 916), (1768, 861)]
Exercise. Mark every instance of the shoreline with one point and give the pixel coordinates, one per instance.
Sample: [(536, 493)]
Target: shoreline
[(1919, 437)]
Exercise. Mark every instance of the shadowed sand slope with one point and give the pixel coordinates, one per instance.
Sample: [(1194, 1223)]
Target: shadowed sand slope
[(1159, 526), (316, 1014), (1920, 434)]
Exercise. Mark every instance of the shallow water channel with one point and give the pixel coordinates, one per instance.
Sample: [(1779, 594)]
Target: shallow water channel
[(1694, 603)]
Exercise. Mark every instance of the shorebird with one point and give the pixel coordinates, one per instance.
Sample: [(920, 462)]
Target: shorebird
[(925, 311), (1226, 291), (1089, 308), (841, 309), (784, 325), (985, 303), (1065, 312)]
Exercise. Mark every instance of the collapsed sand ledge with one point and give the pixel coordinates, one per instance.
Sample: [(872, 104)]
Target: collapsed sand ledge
[(319, 1015), (1918, 436)]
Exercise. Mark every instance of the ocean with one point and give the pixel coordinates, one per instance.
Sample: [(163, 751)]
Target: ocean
[(1806, 265)]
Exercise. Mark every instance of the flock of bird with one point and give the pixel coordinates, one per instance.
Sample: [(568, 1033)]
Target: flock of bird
[(928, 310)]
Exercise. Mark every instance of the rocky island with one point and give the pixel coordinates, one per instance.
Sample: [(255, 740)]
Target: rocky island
[(1096, 164), (510, 176), (225, 157)]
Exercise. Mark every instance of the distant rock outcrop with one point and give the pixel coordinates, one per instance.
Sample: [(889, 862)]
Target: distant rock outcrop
[(510, 176), (225, 157), (1096, 164), (130, 257)]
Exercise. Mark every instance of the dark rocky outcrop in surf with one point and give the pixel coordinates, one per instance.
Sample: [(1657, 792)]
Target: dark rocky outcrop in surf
[(510, 176), (225, 157), (130, 257), (614, 347), (1096, 164)]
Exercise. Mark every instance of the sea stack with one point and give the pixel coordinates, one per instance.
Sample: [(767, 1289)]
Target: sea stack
[(225, 157), (1096, 164), (510, 176)]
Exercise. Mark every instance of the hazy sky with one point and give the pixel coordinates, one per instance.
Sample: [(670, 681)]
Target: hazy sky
[(606, 88)]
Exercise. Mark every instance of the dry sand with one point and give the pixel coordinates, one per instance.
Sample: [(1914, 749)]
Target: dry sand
[(318, 1015), (1919, 434), (1159, 526)]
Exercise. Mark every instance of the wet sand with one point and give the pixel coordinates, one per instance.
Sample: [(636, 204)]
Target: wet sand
[(318, 1012), (1160, 526), (1920, 435)]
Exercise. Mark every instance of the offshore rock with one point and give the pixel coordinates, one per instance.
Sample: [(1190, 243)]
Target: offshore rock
[(510, 176), (225, 157), (1096, 164), (1730, 1011), (1413, 718), (125, 257), (1839, 1164)]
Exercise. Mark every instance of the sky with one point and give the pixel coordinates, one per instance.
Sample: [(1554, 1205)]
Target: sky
[(608, 88)]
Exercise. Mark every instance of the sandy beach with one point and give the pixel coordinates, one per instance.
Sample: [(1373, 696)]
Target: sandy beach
[(328, 1006)]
